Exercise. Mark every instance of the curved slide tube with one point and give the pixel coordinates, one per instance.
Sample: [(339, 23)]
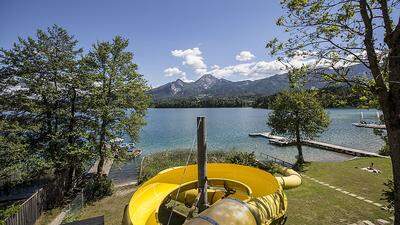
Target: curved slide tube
[(259, 195), (291, 178)]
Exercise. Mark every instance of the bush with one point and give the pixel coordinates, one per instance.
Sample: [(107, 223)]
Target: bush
[(243, 158), (7, 212), (385, 150), (159, 161), (98, 187), (388, 194)]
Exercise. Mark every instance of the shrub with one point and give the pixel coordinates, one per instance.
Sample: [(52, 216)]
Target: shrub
[(159, 161), (385, 150), (388, 194), (243, 158), (98, 187), (7, 212)]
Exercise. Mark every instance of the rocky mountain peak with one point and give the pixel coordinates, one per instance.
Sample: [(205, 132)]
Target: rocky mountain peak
[(206, 81), (179, 82)]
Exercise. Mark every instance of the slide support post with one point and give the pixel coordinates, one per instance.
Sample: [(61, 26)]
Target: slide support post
[(202, 163)]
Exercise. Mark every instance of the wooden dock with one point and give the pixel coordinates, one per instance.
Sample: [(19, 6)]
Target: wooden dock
[(370, 125), (282, 141)]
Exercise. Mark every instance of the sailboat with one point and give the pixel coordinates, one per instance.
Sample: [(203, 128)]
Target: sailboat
[(363, 123)]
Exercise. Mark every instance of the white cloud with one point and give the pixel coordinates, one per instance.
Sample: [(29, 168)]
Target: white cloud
[(173, 71), (246, 70), (254, 70), (215, 67), (262, 69), (244, 56), (186, 80), (192, 58)]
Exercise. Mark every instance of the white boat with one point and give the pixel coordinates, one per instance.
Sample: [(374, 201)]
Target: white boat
[(370, 125), (366, 124)]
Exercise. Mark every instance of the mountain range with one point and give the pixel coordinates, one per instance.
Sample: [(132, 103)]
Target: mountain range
[(210, 86)]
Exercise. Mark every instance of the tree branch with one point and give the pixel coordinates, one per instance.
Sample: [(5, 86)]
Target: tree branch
[(387, 21), (369, 45)]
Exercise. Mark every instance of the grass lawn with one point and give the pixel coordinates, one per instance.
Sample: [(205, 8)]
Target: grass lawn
[(111, 207), (348, 175), (311, 203)]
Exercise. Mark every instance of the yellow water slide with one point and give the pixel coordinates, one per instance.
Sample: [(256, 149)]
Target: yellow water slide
[(237, 195)]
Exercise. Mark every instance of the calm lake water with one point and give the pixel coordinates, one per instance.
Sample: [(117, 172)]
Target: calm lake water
[(228, 128)]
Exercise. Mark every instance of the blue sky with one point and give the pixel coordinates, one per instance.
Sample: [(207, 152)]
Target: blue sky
[(208, 35)]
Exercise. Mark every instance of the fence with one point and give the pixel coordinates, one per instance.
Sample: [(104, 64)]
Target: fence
[(29, 211), (267, 158)]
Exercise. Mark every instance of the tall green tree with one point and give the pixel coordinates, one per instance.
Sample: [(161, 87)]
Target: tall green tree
[(341, 33), (42, 97), (299, 115), (118, 96)]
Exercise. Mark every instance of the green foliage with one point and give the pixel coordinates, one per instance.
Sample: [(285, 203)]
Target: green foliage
[(98, 187), (388, 194), (384, 150), (159, 161), (333, 33), (250, 159), (59, 107), (118, 99), (17, 161), (298, 111), (41, 94), (330, 97), (243, 158), (298, 114), (7, 212), (243, 101)]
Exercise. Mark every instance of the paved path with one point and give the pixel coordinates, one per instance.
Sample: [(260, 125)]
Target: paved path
[(58, 220), (126, 174)]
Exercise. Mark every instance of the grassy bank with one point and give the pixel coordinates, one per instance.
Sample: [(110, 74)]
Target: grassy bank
[(159, 161), (350, 176), (311, 203)]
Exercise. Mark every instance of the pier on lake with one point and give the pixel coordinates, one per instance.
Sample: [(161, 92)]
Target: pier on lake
[(283, 141)]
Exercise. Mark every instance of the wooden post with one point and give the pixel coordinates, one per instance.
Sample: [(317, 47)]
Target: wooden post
[(202, 163)]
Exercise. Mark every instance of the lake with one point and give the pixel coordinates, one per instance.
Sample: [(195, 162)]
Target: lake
[(228, 128)]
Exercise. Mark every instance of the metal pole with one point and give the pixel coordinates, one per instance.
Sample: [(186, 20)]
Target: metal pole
[(202, 162)]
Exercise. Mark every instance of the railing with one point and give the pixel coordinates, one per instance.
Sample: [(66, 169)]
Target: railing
[(29, 211), (268, 158)]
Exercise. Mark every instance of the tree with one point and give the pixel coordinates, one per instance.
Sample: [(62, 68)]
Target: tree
[(41, 96), (118, 99), (341, 33), (17, 162), (298, 114)]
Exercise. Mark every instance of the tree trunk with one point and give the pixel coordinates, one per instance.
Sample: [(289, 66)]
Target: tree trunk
[(391, 112), (388, 96), (394, 144), (300, 158), (100, 149), (71, 141)]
